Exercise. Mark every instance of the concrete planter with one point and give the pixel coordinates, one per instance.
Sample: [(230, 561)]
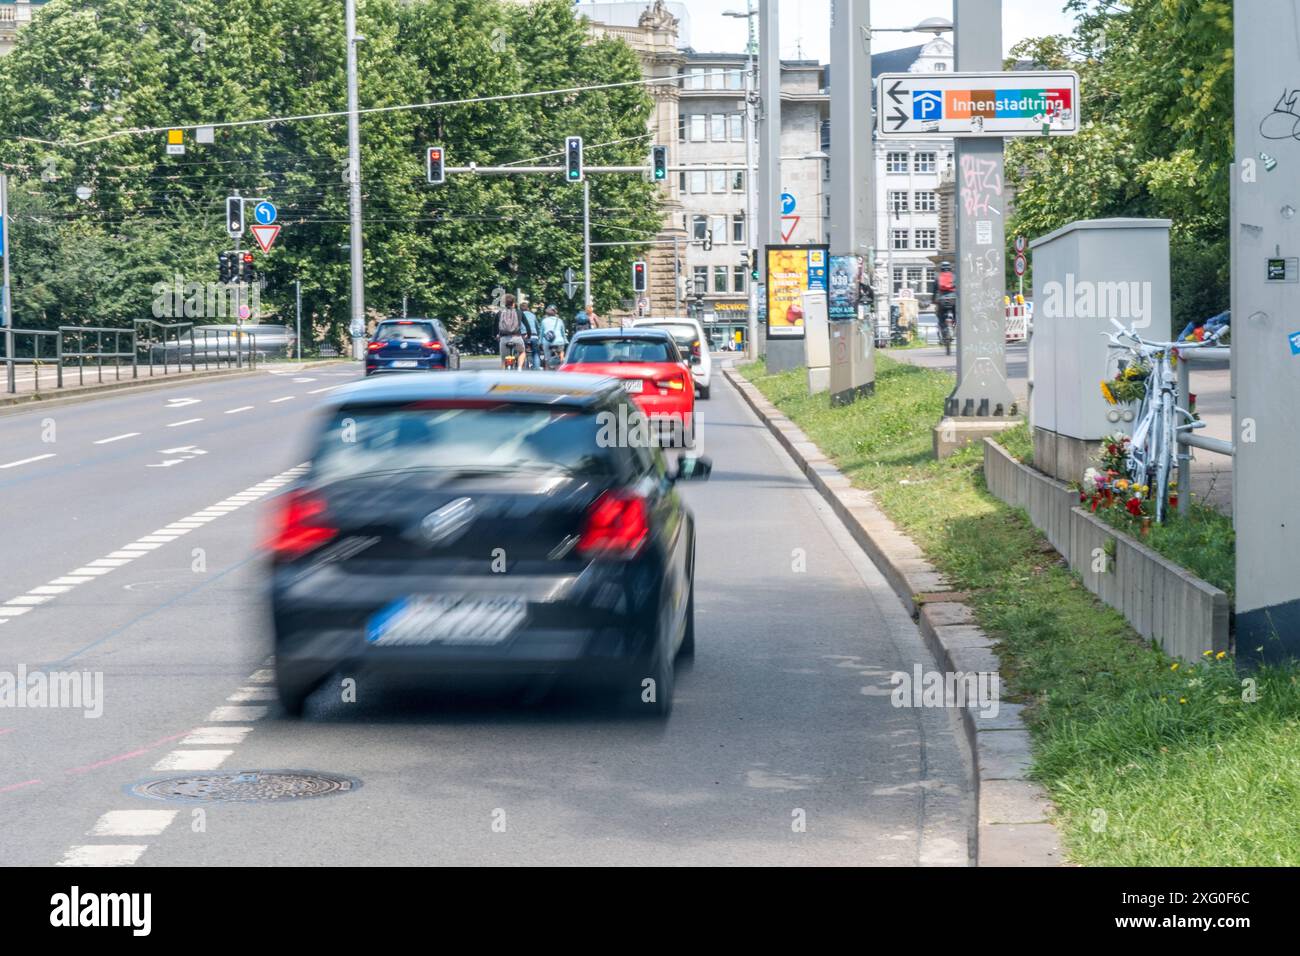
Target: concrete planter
[(1163, 602)]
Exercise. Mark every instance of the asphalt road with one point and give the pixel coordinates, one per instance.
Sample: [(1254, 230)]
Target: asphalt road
[(784, 747)]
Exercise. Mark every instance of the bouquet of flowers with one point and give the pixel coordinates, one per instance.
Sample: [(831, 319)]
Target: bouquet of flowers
[(1128, 386)]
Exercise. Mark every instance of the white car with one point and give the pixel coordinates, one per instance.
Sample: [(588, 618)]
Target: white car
[(689, 335)]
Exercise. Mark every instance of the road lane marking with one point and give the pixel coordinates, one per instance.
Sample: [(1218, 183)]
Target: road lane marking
[(211, 736), (28, 461), (18, 786), (21, 604), (188, 421), (106, 854), (241, 408), (192, 760), (264, 676), (182, 402), (277, 401), (132, 823), (248, 694), (235, 714), (304, 380), (327, 388), (106, 441)]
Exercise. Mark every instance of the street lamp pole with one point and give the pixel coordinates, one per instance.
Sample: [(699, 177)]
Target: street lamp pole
[(751, 185), (354, 172)]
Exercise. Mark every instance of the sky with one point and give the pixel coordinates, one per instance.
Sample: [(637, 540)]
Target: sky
[(805, 24)]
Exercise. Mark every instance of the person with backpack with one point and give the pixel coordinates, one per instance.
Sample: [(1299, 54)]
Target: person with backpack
[(944, 292), (554, 338), (510, 326), (582, 321), (532, 334)]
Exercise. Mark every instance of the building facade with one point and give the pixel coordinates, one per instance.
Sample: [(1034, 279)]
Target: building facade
[(14, 15)]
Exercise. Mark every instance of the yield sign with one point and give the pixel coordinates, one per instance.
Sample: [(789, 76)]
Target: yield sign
[(265, 235), (794, 224)]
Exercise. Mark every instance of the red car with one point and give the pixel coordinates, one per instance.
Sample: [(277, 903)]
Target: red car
[(655, 374)]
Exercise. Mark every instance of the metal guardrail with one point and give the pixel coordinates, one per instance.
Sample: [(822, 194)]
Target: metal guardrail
[(95, 346), (1188, 440)]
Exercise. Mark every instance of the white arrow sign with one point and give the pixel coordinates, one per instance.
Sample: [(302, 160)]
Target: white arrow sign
[(1044, 103)]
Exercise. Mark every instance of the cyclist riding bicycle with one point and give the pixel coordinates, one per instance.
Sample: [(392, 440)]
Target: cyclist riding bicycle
[(510, 326), (944, 292)]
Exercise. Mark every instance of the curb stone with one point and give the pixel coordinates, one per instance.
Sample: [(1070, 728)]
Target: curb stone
[(1013, 814)]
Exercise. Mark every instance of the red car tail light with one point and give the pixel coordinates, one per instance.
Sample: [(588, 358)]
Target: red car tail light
[(616, 525), (375, 346), (432, 346), (299, 526)]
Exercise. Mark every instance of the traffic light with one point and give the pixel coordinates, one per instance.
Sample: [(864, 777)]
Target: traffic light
[(225, 270), (660, 163), (248, 268), (708, 240), (234, 216), (638, 276), (433, 166), (573, 159), (753, 264)]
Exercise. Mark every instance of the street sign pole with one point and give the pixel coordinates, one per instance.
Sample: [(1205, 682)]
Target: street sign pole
[(354, 178), (6, 302), (982, 390)]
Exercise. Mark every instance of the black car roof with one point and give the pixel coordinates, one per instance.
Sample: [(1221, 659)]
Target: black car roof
[(525, 388)]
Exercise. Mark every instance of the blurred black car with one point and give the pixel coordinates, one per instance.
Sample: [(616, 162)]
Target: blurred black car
[(411, 345), (486, 523)]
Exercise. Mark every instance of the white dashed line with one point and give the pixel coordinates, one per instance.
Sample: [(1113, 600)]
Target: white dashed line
[(28, 461), (277, 401), (188, 421), (192, 760), (247, 694), (106, 441), (131, 823), (327, 388), (212, 736), (236, 715), (241, 408), (120, 854)]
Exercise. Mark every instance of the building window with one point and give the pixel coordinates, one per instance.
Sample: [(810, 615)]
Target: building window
[(898, 279), (720, 180), (699, 227), (717, 78), (927, 277), (826, 170), (720, 279), (681, 127), (738, 228), (897, 201), (699, 127), (941, 68), (738, 181), (927, 201), (719, 127), (914, 278), (926, 162), (694, 79), (896, 162), (736, 78), (700, 281), (681, 181), (898, 238), (718, 226), (927, 239), (738, 278), (699, 181), (825, 135), (737, 123)]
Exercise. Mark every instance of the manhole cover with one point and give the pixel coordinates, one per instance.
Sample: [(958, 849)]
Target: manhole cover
[(245, 786)]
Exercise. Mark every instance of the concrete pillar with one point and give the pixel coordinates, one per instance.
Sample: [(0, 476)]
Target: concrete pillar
[(1265, 227)]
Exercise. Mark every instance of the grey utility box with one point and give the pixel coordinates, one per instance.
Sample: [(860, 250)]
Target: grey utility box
[(1085, 274)]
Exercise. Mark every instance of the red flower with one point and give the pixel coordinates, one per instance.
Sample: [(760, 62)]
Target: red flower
[(1112, 449), (1173, 501), (1134, 506)]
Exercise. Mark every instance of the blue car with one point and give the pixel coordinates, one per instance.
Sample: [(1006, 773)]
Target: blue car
[(411, 345)]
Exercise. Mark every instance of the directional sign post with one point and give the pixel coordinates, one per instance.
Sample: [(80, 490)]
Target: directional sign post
[(265, 212), (570, 283), (978, 104), (265, 235)]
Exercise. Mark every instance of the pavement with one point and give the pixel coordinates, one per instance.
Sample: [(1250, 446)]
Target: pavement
[(131, 548), (1212, 385)]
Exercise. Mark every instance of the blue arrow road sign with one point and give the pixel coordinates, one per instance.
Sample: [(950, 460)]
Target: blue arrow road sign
[(787, 204), (265, 213)]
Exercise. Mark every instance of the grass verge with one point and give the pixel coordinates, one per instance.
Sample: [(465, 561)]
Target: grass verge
[(1149, 762)]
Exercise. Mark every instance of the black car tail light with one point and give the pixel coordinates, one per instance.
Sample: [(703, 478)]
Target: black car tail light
[(300, 526), (616, 525)]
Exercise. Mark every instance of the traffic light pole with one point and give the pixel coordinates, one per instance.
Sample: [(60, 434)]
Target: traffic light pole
[(586, 246), (354, 173)]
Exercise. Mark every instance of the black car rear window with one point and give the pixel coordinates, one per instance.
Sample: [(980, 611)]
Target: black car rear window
[(463, 438), (399, 331), (619, 349)]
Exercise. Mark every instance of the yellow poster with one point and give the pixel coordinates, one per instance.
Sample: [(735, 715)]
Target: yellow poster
[(791, 271)]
